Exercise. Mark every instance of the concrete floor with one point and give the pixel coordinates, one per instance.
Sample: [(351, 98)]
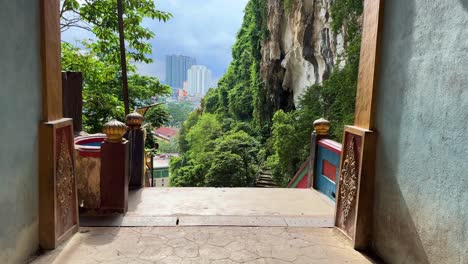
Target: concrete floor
[(228, 201), (223, 207), (216, 226), (214, 245)]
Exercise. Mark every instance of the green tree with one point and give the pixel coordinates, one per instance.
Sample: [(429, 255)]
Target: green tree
[(236, 92), (201, 136), (100, 18), (234, 161), (171, 146), (334, 99), (185, 174), (225, 171), (157, 116), (110, 29), (102, 96), (186, 126), (243, 103), (211, 101), (100, 61), (287, 147), (144, 89), (228, 160), (179, 112), (196, 143)]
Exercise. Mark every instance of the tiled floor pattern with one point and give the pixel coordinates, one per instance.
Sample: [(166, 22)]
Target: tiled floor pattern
[(211, 245)]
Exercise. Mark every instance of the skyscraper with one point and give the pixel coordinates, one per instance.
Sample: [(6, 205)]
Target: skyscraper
[(176, 70), (199, 80)]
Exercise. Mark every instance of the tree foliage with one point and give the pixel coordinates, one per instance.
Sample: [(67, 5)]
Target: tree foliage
[(204, 132), (220, 142), (235, 96), (102, 95), (171, 146), (334, 99), (234, 161), (99, 58), (178, 112), (100, 18), (287, 5), (214, 157), (239, 114)]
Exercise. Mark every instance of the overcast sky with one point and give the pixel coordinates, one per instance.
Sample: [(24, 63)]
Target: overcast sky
[(204, 29)]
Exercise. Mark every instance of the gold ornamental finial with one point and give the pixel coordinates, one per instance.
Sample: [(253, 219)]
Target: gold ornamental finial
[(321, 127), (115, 131), (135, 120)]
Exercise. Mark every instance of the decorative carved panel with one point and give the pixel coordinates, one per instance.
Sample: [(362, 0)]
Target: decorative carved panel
[(348, 179), (65, 181), (355, 186), (348, 183), (58, 204)]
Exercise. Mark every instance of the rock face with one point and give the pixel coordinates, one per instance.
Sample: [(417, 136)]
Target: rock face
[(301, 49)]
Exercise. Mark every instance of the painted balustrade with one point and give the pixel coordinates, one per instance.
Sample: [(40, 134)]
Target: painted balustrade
[(321, 170), (327, 164), (301, 179)]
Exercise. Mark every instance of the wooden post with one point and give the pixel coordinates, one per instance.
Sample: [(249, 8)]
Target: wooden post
[(72, 98), (58, 203), (152, 170), (136, 135), (356, 184), (114, 169), (321, 129)]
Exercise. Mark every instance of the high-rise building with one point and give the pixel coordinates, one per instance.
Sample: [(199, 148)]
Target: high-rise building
[(176, 70), (199, 80)]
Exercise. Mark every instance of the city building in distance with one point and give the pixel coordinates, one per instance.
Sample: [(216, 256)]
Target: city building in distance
[(199, 80), (176, 71)]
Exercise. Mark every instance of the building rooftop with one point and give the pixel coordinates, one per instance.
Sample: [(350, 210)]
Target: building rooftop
[(166, 132)]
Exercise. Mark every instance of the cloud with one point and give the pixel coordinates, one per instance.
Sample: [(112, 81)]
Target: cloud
[(204, 29)]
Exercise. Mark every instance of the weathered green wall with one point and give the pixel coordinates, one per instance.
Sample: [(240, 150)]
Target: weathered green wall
[(421, 200), (20, 88)]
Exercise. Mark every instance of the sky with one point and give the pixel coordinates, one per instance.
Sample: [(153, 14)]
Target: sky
[(204, 29)]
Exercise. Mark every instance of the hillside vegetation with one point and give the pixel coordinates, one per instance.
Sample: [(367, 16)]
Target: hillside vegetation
[(236, 132)]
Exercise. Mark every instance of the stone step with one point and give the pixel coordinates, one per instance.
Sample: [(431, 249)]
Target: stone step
[(266, 180)]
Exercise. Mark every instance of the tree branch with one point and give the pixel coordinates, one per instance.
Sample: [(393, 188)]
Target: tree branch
[(87, 18), (63, 8), (66, 27)]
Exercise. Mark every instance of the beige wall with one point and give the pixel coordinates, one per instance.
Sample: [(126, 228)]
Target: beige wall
[(421, 197), (20, 108)]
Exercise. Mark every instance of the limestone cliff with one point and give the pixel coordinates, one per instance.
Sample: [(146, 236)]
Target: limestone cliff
[(301, 49)]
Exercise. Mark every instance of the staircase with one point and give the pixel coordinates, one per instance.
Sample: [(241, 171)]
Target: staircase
[(265, 180)]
